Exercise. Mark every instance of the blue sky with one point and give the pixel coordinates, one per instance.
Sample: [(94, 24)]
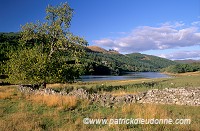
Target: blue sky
[(166, 28)]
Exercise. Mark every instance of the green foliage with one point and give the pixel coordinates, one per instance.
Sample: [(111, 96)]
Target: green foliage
[(99, 63), (182, 68), (27, 66), (49, 52), (8, 43)]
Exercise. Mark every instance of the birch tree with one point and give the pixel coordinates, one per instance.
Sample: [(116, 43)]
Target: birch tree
[(49, 51)]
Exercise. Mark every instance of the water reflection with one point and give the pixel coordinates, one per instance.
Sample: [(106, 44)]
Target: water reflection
[(126, 76)]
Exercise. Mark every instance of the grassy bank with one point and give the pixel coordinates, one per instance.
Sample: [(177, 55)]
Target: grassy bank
[(29, 112), (136, 85)]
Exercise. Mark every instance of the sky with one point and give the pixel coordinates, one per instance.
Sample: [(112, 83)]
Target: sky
[(165, 28)]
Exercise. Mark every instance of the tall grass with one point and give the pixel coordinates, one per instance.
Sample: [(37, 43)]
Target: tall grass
[(55, 100), (7, 92)]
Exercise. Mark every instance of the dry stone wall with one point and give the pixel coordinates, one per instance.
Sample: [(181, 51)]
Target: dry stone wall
[(178, 96)]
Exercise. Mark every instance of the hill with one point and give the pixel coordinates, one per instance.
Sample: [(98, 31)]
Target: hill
[(101, 61), (187, 61), (98, 49)]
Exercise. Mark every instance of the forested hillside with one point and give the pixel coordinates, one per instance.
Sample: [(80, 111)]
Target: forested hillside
[(189, 61), (182, 68), (98, 61), (107, 62)]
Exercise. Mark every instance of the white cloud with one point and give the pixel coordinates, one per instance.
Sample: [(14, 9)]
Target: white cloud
[(120, 33), (104, 42), (195, 23), (146, 38), (182, 55), (173, 24)]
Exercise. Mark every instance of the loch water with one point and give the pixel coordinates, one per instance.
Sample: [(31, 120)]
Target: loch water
[(125, 76)]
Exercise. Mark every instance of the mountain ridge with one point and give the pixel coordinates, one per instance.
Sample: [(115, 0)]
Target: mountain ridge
[(102, 61), (98, 49), (188, 61)]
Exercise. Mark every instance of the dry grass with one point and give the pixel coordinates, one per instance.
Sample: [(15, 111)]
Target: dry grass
[(197, 73), (56, 85), (55, 100), (148, 111), (19, 121), (5, 95), (121, 93), (100, 83), (6, 92)]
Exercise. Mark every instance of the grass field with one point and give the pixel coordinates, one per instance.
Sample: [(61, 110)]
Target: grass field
[(23, 112)]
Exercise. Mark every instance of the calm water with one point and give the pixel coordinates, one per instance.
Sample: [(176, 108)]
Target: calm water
[(127, 76)]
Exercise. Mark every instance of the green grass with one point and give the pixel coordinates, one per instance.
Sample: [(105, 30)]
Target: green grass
[(133, 86), (20, 112)]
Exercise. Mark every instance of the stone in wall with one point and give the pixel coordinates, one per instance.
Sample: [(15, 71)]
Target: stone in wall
[(178, 96)]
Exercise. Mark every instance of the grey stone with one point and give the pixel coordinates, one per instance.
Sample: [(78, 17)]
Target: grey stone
[(179, 96)]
